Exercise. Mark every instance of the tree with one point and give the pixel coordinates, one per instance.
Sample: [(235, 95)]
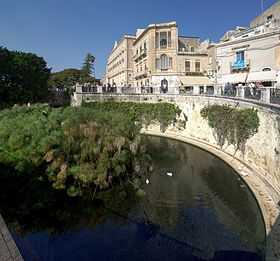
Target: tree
[(66, 79), (88, 65), (61, 85), (23, 78), (5, 76)]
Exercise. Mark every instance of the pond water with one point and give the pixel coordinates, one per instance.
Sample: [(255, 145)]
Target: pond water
[(203, 211)]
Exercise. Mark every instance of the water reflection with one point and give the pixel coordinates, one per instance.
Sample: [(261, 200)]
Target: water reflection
[(202, 212)]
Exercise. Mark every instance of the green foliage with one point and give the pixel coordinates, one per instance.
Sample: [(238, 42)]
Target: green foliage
[(232, 125), (66, 79), (23, 78), (62, 85), (143, 114), (80, 150)]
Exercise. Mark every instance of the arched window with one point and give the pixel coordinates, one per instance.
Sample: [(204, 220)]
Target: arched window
[(164, 62)]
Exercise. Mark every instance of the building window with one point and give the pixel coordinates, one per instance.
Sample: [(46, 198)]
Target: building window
[(197, 66), (240, 56), (164, 62), (145, 46), (192, 49), (187, 66), (169, 39), (163, 40), (239, 60)]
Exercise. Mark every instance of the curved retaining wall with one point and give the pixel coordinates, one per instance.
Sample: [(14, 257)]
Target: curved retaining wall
[(259, 165)]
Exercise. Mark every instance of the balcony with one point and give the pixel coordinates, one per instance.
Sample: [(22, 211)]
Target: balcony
[(141, 74), (240, 66), (195, 74), (184, 51), (141, 55)]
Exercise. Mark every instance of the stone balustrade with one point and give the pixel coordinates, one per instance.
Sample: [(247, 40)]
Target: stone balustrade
[(264, 95)]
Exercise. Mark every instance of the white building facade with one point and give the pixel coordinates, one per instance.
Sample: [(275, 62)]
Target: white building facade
[(119, 67), (250, 55)]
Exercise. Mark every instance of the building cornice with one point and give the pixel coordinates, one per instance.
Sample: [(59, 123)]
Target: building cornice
[(191, 54)]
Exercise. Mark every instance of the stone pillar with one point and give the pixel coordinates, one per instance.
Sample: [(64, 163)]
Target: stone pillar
[(78, 88), (99, 89), (218, 90), (138, 90), (119, 89), (196, 90), (265, 95), (156, 90), (175, 90), (240, 92), (76, 99)]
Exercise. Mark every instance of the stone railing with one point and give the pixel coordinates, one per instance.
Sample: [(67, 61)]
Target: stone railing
[(264, 95)]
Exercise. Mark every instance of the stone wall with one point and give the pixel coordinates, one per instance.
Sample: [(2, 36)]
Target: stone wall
[(262, 151)]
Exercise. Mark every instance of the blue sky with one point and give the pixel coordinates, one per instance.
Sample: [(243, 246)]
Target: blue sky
[(63, 31)]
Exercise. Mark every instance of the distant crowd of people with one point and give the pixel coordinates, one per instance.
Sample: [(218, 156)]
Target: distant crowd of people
[(251, 89)]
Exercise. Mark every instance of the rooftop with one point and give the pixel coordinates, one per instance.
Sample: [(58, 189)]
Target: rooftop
[(249, 33)]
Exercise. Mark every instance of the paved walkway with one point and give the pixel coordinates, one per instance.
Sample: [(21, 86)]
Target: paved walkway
[(8, 247)]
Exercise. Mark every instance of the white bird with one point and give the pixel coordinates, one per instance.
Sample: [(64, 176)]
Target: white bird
[(169, 174), (147, 181)]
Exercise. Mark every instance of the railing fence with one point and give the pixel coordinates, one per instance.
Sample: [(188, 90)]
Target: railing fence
[(268, 95)]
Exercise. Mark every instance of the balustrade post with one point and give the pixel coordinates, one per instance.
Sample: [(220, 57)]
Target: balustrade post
[(176, 90), (79, 88), (240, 92), (99, 89), (218, 90), (119, 89), (265, 95), (205, 89), (138, 90), (156, 90), (196, 89)]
